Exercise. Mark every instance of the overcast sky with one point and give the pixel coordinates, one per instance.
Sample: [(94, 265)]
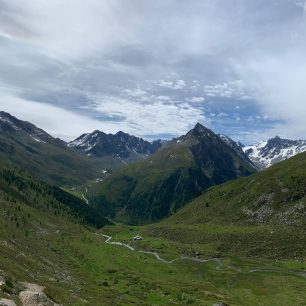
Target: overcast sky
[(153, 68)]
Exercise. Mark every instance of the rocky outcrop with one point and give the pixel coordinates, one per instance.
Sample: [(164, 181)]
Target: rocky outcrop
[(33, 295)]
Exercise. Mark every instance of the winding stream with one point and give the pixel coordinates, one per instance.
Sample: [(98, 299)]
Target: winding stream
[(219, 265)]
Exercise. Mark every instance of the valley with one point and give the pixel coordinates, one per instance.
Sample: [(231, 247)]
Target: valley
[(210, 229)]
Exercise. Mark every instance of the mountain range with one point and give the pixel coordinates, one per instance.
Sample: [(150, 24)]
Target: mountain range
[(180, 170), (120, 146), (274, 150), (222, 231)]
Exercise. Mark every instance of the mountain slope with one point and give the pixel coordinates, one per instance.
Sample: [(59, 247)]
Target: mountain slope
[(165, 181), (49, 158), (266, 153), (21, 188), (238, 148), (44, 243), (263, 216), (274, 196), (122, 147)]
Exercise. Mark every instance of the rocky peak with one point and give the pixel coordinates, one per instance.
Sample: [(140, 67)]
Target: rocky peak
[(120, 145), (267, 153), (10, 124), (200, 132)]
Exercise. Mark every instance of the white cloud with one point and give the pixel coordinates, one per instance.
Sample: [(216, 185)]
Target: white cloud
[(222, 115), (69, 29), (175, 85), (56, 121), (137, 92), (156, 117), (180, 84), (281, 90), (230, 89), (196, 99), (61, 52)]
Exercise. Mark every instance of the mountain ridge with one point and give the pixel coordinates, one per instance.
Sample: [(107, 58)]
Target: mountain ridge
[(181, 169), (49, 158), (123, 146), (266, 153)]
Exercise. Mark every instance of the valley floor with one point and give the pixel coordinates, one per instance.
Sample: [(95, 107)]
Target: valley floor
[(78, 267)]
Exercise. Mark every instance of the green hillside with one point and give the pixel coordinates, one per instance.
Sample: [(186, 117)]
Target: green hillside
[(164, 182), (49, 238), (274, 196), (263, 215), (44, 156), (21, 189)]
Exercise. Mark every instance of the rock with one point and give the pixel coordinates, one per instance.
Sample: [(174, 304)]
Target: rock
[(6, 302), (2, 280), (137, 237), (220, 304), (34, 296)]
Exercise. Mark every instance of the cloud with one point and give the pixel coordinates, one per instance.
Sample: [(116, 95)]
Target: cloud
[(231, 89), (196, 99), (176, 85), (105, 60), (280, 89), (56, 121), (159, 116)]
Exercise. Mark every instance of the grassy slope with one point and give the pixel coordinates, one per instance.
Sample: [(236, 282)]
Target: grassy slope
[(157, 187), (45, 244), (52, 161), (260, 216), (78, 268)]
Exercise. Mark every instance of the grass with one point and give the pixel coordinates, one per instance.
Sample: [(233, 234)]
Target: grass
[(260, 263), (155, 188), (78, 268)]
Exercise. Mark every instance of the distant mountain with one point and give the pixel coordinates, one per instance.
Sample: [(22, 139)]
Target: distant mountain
[(121, 146), (10, 124), (266, 153), (49, 158), (262, 215), (238, 148), (179, 171)]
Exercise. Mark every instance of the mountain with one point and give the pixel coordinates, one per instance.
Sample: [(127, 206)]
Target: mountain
[(21, 188), (37, 224), (238, 148), (262, 215), (43, 155), (273, 196), (266, 153), (122, 147), (179, 171), (53, 254)]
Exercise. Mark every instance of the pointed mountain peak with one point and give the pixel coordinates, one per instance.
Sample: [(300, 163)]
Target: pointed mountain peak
[(201, 131), (97, 132), (199, 127)]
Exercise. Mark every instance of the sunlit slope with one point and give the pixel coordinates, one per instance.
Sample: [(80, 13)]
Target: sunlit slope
[(164, 182)]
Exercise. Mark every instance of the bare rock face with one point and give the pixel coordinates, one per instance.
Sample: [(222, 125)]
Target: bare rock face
[(6, 302), (33, 295)]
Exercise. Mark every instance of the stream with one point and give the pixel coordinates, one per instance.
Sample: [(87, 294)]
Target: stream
[(219, 265)]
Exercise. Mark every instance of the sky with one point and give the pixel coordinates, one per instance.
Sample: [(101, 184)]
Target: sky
[(154, 68)]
